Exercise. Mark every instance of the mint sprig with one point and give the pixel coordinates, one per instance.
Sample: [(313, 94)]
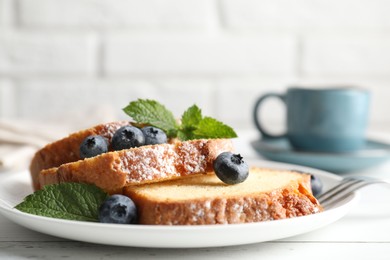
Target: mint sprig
[(193, 124), (74, 201)]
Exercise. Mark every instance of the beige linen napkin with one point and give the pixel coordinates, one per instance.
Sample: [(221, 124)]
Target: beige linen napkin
[(20, 139)]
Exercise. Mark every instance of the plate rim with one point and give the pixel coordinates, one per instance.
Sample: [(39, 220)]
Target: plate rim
[(332, 214)]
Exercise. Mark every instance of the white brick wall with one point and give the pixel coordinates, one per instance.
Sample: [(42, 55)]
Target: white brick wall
[(117, 13), (61, 57), (307, 14), (191, 54), (368, 55), (6, 13), (31, 53), (69, 97)]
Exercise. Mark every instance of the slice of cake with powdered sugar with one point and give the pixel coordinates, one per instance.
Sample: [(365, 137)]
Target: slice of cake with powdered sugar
[(113, 171)]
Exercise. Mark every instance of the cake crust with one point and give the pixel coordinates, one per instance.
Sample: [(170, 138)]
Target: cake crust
[(67, 149)]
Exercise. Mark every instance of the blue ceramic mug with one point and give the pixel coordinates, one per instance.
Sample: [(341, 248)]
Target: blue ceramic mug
[(322, 120)]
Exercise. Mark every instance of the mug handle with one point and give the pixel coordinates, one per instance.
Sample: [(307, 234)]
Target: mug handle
[(258, 124)]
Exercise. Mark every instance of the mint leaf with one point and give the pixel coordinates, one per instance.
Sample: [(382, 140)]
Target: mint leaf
[(74, 201), (189, 123), (151, 112), (191, 117), (211, 128)]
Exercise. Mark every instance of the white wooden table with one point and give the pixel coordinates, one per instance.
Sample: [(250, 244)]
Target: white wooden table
[(364, 233)]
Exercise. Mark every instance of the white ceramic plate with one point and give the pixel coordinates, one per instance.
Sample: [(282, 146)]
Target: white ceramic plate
[(15, 186)]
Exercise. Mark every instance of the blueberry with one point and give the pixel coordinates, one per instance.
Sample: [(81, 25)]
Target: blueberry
[(154, 135), (93, 145), (127, 137), (316, 185), (118, 209), (230, 168)]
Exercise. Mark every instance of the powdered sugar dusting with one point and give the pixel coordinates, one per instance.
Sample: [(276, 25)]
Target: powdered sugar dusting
[(164, 161), (193, 159), (149, 163)]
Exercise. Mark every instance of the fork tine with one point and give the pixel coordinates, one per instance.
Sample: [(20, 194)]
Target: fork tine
[(345, 183), (342, 192), (344, 189)]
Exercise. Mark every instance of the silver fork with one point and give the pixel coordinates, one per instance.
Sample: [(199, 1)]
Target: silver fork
[(345, 188)]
